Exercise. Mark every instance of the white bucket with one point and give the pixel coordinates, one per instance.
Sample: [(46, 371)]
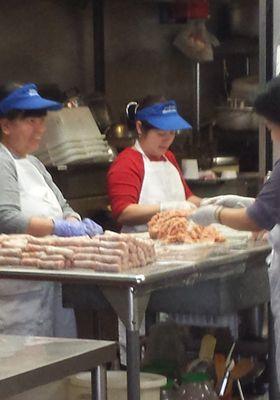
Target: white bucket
[(54, 390), (79, 387)]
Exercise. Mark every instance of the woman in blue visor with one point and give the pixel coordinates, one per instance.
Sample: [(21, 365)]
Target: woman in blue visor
[(31, 203), (146, 178)]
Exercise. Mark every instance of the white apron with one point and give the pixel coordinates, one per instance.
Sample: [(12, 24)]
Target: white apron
[(162, 182), (274, 282), (30, 307)]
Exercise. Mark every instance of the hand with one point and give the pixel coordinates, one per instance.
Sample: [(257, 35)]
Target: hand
[(206, 215), (229, 200), (261, 235), (177, 205), (92, 227), (87, 227)]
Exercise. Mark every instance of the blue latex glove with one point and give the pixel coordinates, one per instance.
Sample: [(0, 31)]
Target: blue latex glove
[(86, 227), (92, 227)]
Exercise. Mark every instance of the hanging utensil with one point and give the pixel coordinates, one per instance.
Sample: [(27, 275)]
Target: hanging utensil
[(228, 359), (204, 362), (220, 367), (226, 378), (241, 369), (207, 347), (229, 365), (240, 390)]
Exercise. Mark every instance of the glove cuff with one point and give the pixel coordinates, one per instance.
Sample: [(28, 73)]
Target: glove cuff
[(163, 206), (217, 214)]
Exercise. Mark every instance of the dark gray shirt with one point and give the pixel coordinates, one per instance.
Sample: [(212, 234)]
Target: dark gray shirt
[(265, 211), (11, 218)]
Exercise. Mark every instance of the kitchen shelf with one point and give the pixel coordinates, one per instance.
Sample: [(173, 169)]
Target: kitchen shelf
[(238, 45)]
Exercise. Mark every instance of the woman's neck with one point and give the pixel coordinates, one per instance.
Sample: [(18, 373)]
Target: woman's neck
[(13, 150), (150, 155)]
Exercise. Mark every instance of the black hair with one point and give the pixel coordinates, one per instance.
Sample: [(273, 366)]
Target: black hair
[(21, 114), (267, 103), (147, 101), (7, 89)]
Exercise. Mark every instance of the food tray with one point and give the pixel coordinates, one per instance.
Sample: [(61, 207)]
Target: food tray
[(233, 236), (172, 252)]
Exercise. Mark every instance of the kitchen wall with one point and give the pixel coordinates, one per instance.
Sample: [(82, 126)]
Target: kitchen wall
[(141, 59), (47, 41), (51, 41)]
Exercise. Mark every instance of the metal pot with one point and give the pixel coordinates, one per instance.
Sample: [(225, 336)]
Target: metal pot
[(236, 117), (245, 88), (119, 131), (120, 136)]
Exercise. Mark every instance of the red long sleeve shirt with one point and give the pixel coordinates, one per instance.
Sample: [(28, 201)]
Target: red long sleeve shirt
[(125, 178)]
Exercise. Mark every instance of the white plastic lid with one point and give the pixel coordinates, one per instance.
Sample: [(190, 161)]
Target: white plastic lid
[(117, 380)]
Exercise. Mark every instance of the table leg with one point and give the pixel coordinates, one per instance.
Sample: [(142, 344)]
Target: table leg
[(133, 364), (99, 383), (130, 308)]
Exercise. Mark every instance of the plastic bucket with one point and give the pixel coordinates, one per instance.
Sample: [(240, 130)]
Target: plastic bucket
[(54, 390), (79, 387)]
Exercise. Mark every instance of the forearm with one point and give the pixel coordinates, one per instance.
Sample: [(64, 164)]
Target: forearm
[(136, 214), (40, 226), (237, 219), (195, 200)]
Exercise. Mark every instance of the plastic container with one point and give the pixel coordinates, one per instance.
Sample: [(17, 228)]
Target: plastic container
[(72, 135), (170, 391), (54, 390), (197, 386), (79, 387)]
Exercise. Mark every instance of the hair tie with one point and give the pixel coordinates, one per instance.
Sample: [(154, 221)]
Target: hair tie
[(131, 103)]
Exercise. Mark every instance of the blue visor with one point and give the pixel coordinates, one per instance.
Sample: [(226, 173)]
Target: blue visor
[(163, 116), (27, 98)]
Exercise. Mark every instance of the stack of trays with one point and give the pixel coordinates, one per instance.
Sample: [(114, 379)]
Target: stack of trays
[(72, 136)]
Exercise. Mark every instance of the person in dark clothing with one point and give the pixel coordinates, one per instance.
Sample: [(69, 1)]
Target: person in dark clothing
[(246, 213)]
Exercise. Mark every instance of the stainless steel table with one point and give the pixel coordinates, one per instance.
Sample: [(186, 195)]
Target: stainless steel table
[(27, 362), (236, 273)]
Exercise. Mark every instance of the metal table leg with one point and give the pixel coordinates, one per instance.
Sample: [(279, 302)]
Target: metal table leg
[(132, 350), (130, 308), (133, 364), (99, 383)]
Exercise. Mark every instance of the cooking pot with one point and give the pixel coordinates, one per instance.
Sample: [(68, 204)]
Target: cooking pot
[(245, 88), (120, 136), (119, 131), (236, 116)]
